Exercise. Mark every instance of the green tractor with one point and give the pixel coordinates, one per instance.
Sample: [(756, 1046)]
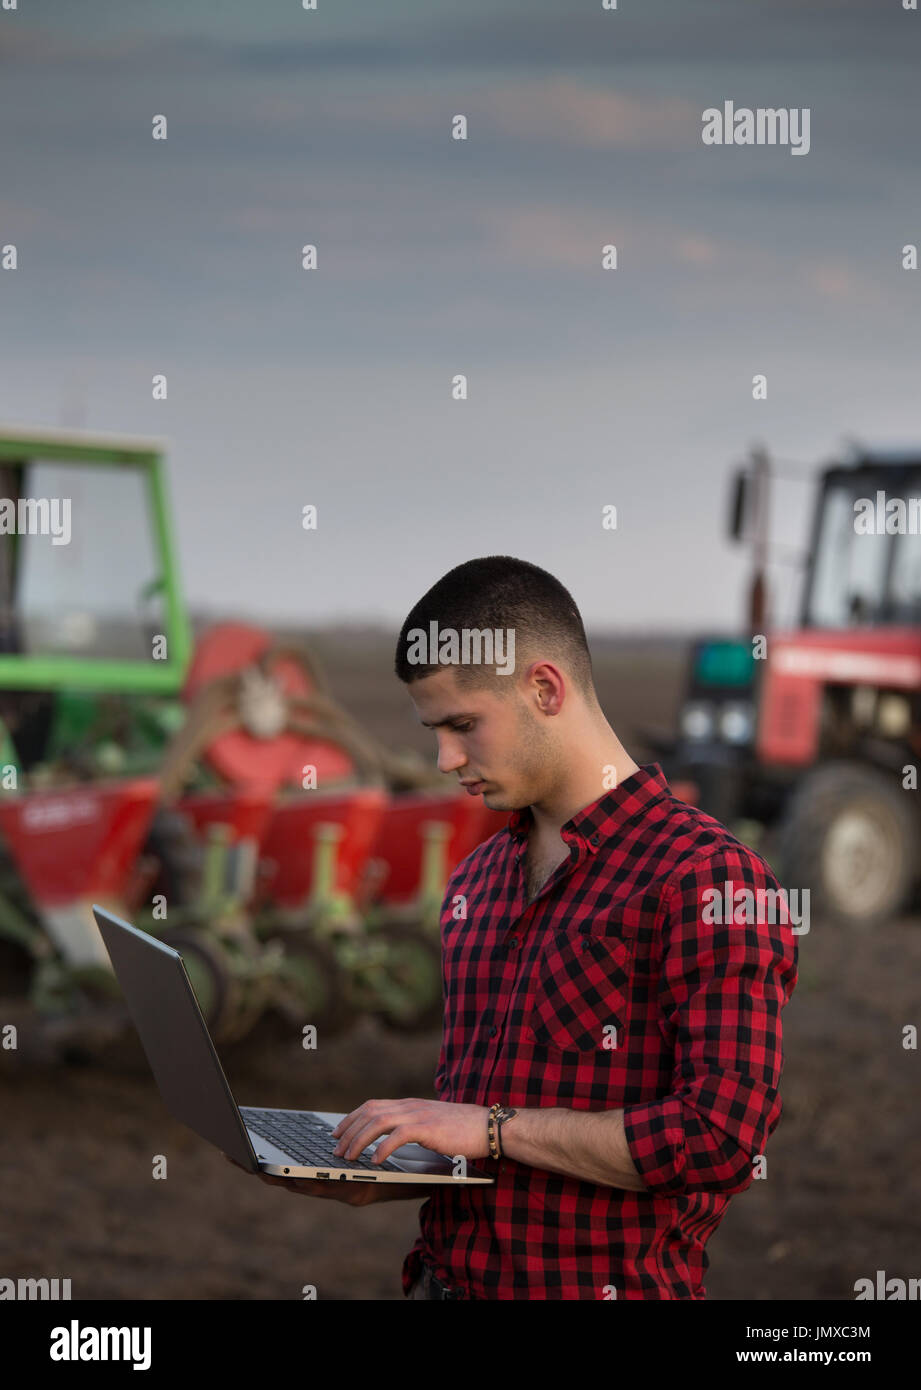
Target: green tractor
[(139, 769), (94, 636)]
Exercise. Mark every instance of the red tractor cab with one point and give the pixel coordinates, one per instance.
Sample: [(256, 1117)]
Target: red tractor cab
[(813, 733)]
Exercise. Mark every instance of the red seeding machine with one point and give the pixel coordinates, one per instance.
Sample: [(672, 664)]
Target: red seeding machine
[(214, 793)]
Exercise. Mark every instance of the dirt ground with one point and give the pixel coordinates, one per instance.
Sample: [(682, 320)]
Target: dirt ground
[(842, 1198)]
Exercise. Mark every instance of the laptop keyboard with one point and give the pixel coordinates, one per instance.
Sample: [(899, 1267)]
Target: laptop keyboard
[(307, 1139)]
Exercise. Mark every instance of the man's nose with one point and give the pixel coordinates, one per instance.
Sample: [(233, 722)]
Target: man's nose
[(450, 755)]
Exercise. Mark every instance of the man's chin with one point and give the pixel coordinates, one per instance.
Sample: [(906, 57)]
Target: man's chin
[(494, 799)]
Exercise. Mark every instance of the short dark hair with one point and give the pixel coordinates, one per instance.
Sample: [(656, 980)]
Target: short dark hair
[(494, 593)]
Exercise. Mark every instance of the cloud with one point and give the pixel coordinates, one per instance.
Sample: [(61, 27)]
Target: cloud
[(566, 112), (837, 280), (569, 111), (18, 217), (696, 250), (539, 35)]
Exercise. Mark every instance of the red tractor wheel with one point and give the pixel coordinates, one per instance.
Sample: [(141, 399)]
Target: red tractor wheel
[(850, 836)]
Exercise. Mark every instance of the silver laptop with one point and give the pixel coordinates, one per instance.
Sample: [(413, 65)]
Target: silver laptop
[(182, 1057)]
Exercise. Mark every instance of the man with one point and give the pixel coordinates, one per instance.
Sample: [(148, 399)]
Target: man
[(594, 988)]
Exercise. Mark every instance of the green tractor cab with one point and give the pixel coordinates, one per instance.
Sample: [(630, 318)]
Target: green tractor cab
[(94, 636)]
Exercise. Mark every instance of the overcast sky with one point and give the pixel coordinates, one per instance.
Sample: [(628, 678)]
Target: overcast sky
[(436, 257)]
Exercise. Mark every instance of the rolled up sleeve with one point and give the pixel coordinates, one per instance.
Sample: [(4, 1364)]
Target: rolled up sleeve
[(722, 986)]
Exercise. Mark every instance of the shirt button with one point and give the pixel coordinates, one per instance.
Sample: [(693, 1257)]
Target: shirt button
[(595, 839), (493, 1031), (513, 942)]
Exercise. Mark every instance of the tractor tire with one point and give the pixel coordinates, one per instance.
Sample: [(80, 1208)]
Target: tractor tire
[(312, 987), (171, 844), (16, 969), (208, 973), (850, 836), (415, 1003)]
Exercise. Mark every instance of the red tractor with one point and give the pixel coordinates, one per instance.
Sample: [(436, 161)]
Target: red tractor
[(813, 735)]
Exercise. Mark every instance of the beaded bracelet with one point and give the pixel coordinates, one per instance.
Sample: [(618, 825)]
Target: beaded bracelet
[(494, 1150), (494, 1128)]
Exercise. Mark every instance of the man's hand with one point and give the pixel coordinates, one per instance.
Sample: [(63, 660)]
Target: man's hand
[(436, 1124)]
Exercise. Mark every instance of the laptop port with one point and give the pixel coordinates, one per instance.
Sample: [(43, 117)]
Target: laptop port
[(364, 1177)]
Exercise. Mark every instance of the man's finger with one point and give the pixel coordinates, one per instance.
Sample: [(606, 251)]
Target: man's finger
[(369, 1127), (351, 1125), (356, 1143)]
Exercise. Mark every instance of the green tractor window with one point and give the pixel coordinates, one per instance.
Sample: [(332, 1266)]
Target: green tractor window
[(88, 572), (92, 590)]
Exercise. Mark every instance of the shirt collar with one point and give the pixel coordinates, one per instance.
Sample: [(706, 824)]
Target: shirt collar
[(600, 821)]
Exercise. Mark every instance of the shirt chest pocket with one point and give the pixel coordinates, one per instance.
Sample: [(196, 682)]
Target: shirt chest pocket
[(582, 996)]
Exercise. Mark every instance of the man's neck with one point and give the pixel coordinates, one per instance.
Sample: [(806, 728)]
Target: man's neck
[(594, 775)]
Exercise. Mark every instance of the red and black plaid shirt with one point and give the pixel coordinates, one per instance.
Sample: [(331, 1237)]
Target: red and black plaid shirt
[(618, 935)]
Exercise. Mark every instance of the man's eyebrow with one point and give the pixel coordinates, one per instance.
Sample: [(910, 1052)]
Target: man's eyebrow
[(448, 719)]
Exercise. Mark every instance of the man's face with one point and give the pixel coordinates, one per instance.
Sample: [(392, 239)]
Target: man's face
[(496, 744)]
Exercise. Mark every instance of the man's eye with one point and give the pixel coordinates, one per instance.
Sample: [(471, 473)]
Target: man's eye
[(463, 728)]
